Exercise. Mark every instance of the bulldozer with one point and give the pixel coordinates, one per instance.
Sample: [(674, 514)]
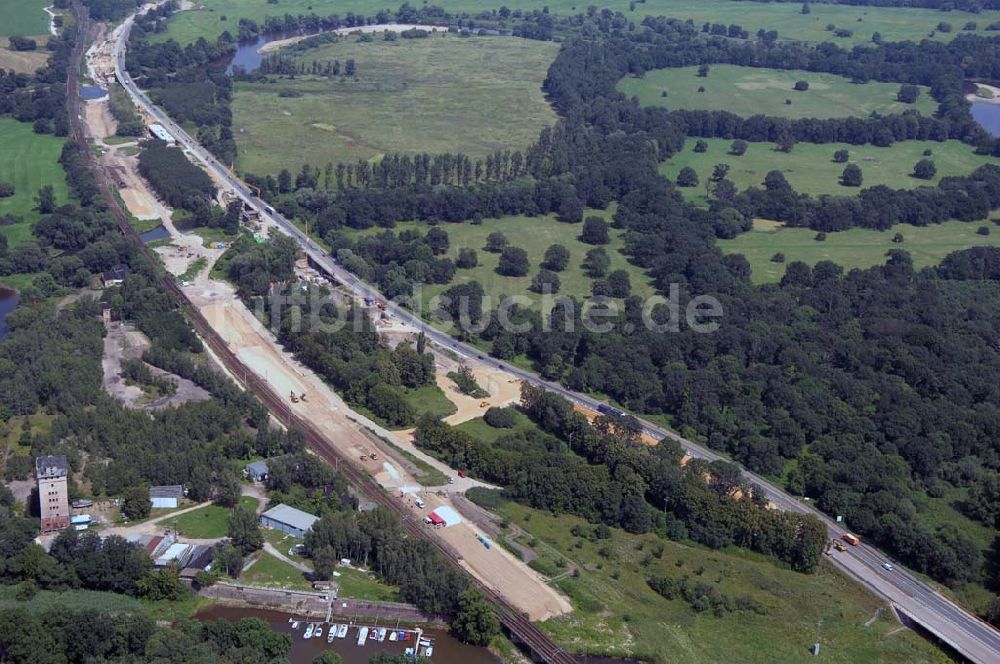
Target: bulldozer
[(294, 398), (303, 397), (484, 404)]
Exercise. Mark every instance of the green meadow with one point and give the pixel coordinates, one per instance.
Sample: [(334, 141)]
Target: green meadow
[(440, 94), (810, 169), (753, 90)]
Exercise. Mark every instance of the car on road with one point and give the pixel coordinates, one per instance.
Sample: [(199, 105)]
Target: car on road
[(887, 566), (451, 480)]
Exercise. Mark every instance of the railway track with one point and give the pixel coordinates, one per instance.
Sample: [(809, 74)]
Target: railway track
[(517, 624)]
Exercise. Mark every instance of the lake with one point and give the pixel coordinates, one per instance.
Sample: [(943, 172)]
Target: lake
[(90, 92), (447, 649), (8, 301), (987, 114), (154, 234)]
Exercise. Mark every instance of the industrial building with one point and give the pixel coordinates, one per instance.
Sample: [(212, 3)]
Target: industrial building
[(287, 519), (166, 497), (53, 494)]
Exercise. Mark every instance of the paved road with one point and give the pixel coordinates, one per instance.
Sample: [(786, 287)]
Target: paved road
[(973, 638)]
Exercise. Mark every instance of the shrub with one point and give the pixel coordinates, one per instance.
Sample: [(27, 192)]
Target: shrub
[(595, 231), (778, 258), (546, 281), (501, 418), (513, 262), (801, 86), (983, 230), (6, 189), (687, 177)]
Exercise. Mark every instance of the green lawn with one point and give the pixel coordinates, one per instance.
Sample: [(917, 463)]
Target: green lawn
[(440, 94), (534, 235), (787, 18), (623, 617), (852, 248), (269, 571), (207, 522), (753, 90), (430, 399), (810, 168), (26, 18), (480, 430), (28, 161), (356, 584)]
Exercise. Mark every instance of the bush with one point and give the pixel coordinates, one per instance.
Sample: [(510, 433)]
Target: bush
[(687, 177), (801, 86), (908, 94), (467, 258), (924, 169), (513, 262), (6, 189), (778, 258), (852, 176), (841, 156), (495, 242), (820, 237), (983, 230), (595, 231), (546, 281), (738, 148), (701, 146), (556, 258), (501, 418)]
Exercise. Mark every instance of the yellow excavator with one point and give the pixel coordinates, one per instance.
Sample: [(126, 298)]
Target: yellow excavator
[(295, 399)]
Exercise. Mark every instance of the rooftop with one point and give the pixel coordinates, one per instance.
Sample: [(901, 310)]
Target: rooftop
[(291, 516), (175, 491), (51, 466)]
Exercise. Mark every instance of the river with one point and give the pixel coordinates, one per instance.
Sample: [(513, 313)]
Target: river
[(447, 649)]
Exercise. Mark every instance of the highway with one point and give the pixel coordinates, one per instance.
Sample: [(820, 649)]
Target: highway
[(964, 632)]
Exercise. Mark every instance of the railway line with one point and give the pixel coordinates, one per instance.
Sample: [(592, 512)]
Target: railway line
[(519, 626)]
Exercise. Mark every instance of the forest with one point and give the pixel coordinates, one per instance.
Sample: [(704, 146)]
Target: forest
[(876, 383)]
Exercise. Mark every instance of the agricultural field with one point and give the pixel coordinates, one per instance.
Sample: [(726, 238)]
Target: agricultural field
[(810, 168), (534, 235), (853, 248), (440, 94), (753, 90), (892, 23), (28, 161), (616, 614), (25, 18)]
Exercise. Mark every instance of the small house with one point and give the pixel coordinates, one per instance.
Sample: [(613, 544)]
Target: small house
[(115, 276), (289, 520), (257, 471), (166, 497)]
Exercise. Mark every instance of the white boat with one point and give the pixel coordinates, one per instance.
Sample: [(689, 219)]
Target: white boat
[(332, 634), (428, 651), (373, 634), (319, 632), (393, 636), (310, 628), (425, 642), (381, 634), (341, 631), (295, 623), (409, 652), (362, 635)]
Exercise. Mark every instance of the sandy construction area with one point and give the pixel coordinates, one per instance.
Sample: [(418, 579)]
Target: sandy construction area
[(100, 123)]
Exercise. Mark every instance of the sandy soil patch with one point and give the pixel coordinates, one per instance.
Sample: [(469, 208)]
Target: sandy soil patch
[(995, 99), (100, 122), (386, 27)]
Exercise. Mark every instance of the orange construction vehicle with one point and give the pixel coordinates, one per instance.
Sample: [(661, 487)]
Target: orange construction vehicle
[(853, 540)]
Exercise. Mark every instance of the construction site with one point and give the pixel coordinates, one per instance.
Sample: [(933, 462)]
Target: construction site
[(309, 397)]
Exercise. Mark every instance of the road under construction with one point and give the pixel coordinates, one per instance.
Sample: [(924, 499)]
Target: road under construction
[(922, 604)]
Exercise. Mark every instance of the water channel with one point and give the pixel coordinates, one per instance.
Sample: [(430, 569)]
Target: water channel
[(447, 649)]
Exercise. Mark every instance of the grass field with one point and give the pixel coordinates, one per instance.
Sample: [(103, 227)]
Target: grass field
[(357, 584), (857, 247), (29, 161), (440, 94), (22, 62), (480, 430), (207, 522), (752, 90), (894, 24), (623, 617), (534, 235), (810, 168), (24, 17), (271, 572)]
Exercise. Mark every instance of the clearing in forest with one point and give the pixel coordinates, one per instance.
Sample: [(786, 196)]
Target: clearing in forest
[(810, 168), (893, 23), (443, 93), (855, 247), (750, 91), (29, 161)]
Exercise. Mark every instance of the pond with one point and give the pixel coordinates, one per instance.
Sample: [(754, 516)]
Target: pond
[(90, 92), (987, 114), (447, 650), (154, 234), (8, 301), (247, 58)]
